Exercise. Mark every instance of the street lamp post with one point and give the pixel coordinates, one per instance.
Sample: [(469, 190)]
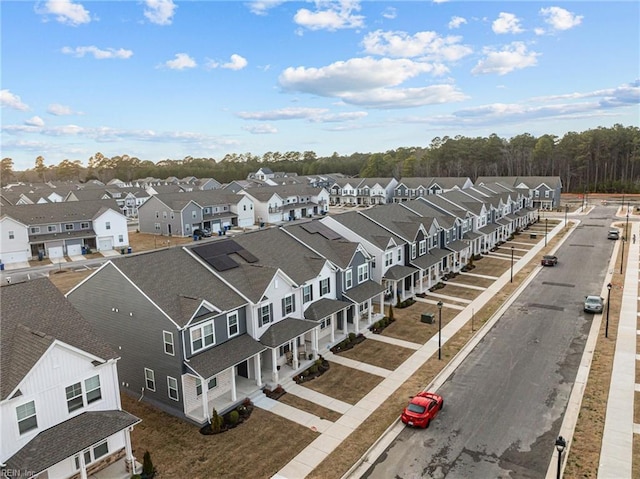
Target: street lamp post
[(439, 330), (622, 260), (546, 222), (626, 225), (606, 327), (512, 264), (560, 445)]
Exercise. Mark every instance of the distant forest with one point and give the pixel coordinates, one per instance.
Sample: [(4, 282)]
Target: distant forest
[(597, 160)]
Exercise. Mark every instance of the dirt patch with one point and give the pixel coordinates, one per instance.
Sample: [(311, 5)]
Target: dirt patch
[(179, 450), (451, 289), (65, 280), (471, 280), (147, 242), (379, 354), (310, 407), (408, 326), (490, 266), (344, 383)]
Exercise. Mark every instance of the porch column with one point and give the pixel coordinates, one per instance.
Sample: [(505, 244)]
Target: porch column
[(314, 343), (356, 317), (369, 308), (413, 285), (344, 322), (381, 301), (421, 279), (334, 318), (258, 366), (234, 393), (294, 351), (83, 466), (395, 292), (130, 461), (274, 366), (205, 399)]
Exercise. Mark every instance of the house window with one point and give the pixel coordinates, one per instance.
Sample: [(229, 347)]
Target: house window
[(244, 207), (388, 259), (194, 215), (413, 250), (172, 215), (213, 382), (202, 336), (27, 417), (325, 287), (93, 454), (164, 215), (363, 273), (84, 226), (74, 397), (157, 214), (307, 293), (52, 228), (12, 235), (107, 225), (150, 379), (35, 229), (399, 255), (325, 323), (423, 247), (172, 386), (265, 314), (363, 307), (288, 305), (232, 324), (168, 342), (348, 279), (68, 227), (92, 389), (120, 238), (157, 226)]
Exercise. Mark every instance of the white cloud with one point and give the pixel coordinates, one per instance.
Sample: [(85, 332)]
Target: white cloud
[(386, 98), (560, 19), (34, 121), (330, 16), (10, 100), (428, 45), (65, 11), (506, 23), (539, 31), (261, 129), (59, 110), (263, 6), (390, 13), (99, 54), (455, 22), (512, 57), (160, 12), (236, 63), (314, 115), (180, 62)]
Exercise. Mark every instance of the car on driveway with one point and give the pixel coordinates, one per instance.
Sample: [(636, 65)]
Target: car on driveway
[(202, 232), (549, 260), (422, 409), (613, 234), (593, 304)]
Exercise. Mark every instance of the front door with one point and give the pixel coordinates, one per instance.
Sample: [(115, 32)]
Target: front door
[(243, 370)]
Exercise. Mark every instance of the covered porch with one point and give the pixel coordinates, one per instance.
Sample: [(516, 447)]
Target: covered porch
[(398, 283)]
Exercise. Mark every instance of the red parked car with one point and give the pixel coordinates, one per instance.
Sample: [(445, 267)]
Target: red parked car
[(422, 409)]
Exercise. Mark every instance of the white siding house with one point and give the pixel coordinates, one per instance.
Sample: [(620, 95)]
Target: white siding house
[(14, 241)]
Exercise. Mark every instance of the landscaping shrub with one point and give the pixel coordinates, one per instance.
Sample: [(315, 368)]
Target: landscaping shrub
[(148, 470), (217, 421), (233, 417), (313, 369), (377, 325), (352, 336), (318, 362)]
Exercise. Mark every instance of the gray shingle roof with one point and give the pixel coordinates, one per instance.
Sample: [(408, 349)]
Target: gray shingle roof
[(399, 271), (364, 291), (28, 328), (285, 330), (339, 251), (171, 276), (457, 246), (234, 351), (324, 307), (49, 213), (69, 438), (367, 229)]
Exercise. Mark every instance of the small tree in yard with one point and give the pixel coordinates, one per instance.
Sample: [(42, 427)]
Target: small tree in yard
[(391, 312), (148, 471), (216, 421)]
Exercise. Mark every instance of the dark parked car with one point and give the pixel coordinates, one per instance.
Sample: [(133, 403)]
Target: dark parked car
[(203, 233), (549, 260)]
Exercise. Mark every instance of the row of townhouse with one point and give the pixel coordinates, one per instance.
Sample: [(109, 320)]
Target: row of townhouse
[(179, 214), (205, 325), (54, 230), (59, 395)]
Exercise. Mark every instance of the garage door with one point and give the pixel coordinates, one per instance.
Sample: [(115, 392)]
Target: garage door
[(55, 252), (74, 250), (244, 223), (105, 244)]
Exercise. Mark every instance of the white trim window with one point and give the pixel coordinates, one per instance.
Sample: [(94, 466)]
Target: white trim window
[(150, 379), (307, 293), (12, 234), (288, 304), (92, 389), (107, 225), (413, 250), (27, 419), (52, 229), (68, 227), (167, 337), (325, 323), (74, 397), (202, 336), (212, 383), (399, 255), (264, 314), (74, 394), (172, 388), (388, 258), (363, 273), (325, 286), (35, 230), (92, 454), (422, 247), (232, 324), (348, 279)]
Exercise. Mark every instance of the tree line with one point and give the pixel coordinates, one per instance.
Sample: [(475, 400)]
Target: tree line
[(605, 159)]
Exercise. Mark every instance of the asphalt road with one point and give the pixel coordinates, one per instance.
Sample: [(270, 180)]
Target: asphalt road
[(504, 405)]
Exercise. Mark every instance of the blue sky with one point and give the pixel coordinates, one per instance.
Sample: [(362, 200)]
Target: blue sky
[(162, 79)]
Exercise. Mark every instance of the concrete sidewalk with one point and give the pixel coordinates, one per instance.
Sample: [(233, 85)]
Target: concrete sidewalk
[(310, 457)]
